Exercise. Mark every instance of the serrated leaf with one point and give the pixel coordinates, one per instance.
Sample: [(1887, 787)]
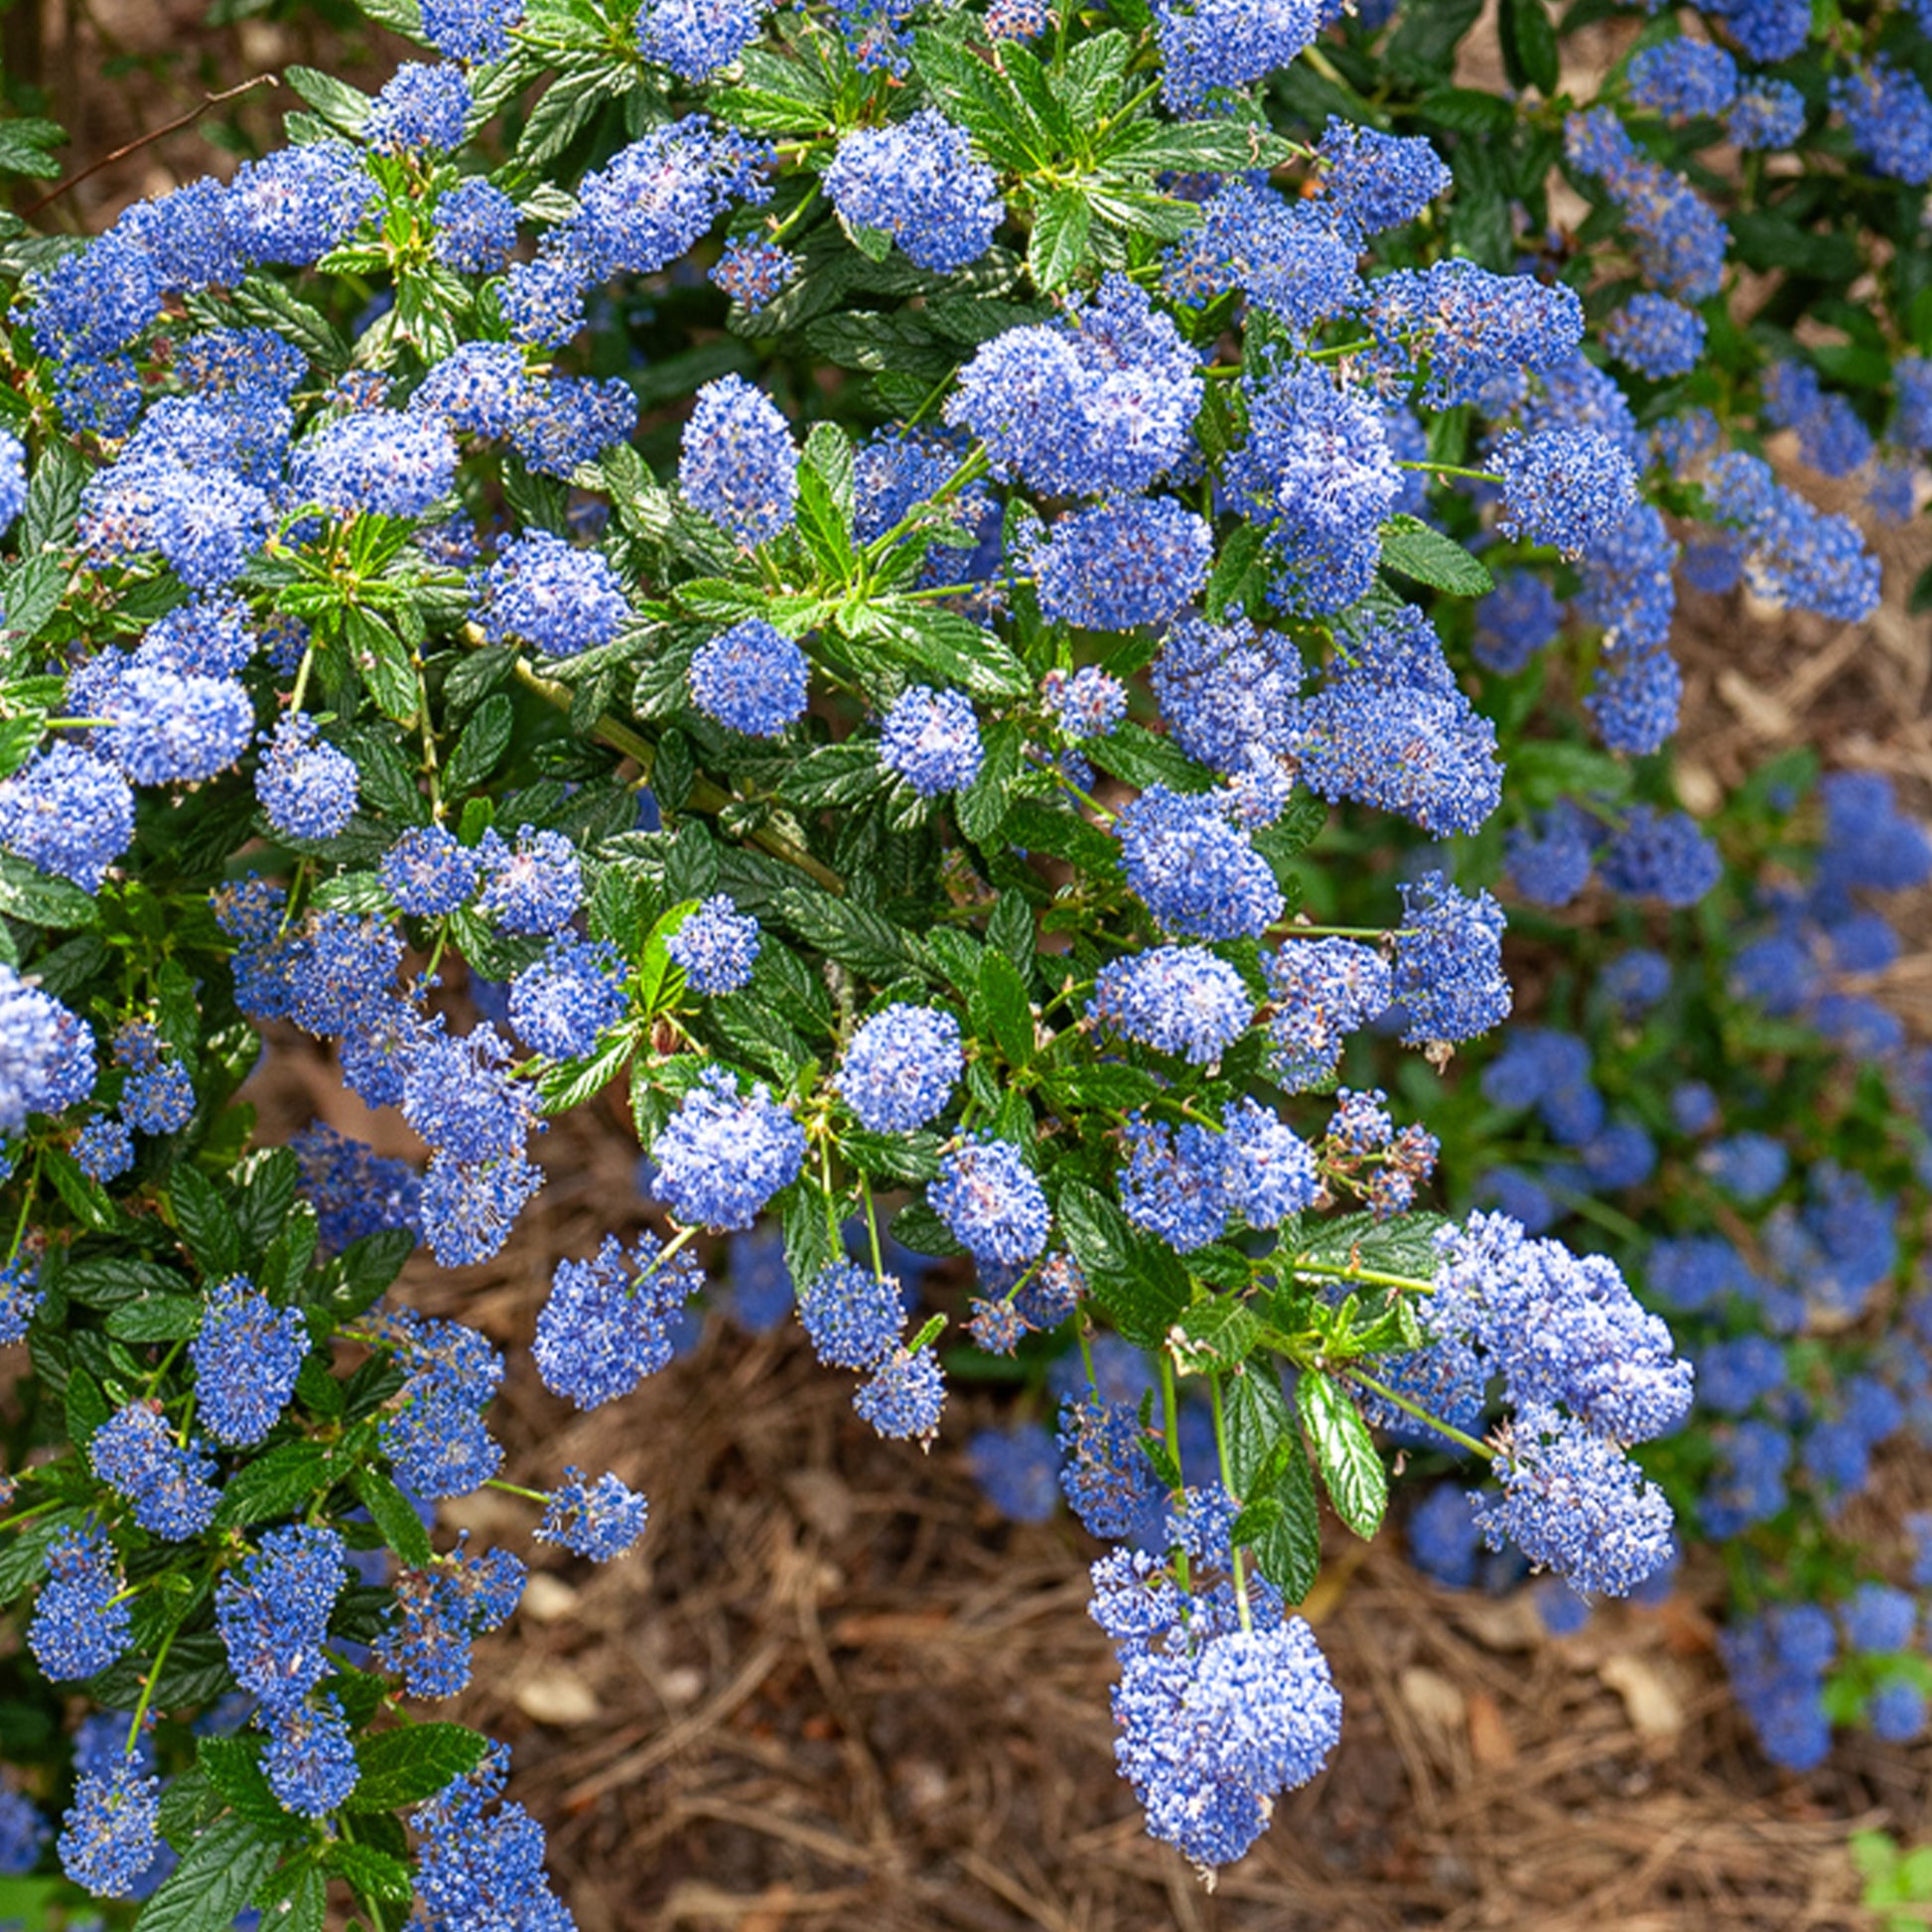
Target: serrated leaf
[(384, 663), (233, 1765), (1141, 1284), (158, 1318), (295, 1900), (216, 1881), (24, 141), (1110, 1087), (1403, 1247), (951, 648), (373, 1873), (1006, 1009), (485, 737), (403, 1767), (23, 1550), (1344, 1452), (1061, 239), (396, 1516), (1416, 550), (39, 899), (280, 1483), (1220, 1333), (345, 108), (205, 1223), (1144, 757)]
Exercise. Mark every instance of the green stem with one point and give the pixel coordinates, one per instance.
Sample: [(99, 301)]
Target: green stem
[(1171, 1430), (515, 1489), (300, 689), (25, 1208), (872, 1227), (831, 1198), (1368, 1276), (1420, 1414), (1450, 470), (147, 1690), (1234, 1549)]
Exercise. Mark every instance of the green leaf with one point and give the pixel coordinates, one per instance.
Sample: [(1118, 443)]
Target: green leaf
[(825, 526), (1289, 1546), (485, 737), (1423, 46), (217, 1879), (203, 1220), (1528, 44), (1009, 926), (1218, 1334), (1344, 1452), (280, 1483), (373, 1873), (41, 899), (849, 934), (985, 101), (33, 592), (1006, 1009), (866, 339), (396, 1516), (403, 1767), (361, 1273), (1430, 558), (1111, 1087), (952, 648), (345, 108), (1060, 244), (1035, 827), (579, 83), (157, 1317), (1141, 1284), (1152, 147), (24, 142), (52, 497), (267, 303), (1257, 1420), (402, 17), (982, 807), (917, 1227), (23, 1552), (234, 1766), (1144, 757), (384, 663), (1404, 1246), (295, 1900)]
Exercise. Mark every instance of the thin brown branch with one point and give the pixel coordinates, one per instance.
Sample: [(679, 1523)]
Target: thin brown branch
[(189, 120)]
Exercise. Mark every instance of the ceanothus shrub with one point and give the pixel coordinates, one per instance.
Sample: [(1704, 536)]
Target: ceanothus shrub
[(831, 565)]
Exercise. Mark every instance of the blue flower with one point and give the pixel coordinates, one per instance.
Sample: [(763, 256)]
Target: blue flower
[(246, 1359), (721, 1156), (753, 678), (545, 591), (715, 948), (989, 1198), (736, 461), (599, 1520), (853, 1317), (899, 1067), (918, 182), (931, 740)]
